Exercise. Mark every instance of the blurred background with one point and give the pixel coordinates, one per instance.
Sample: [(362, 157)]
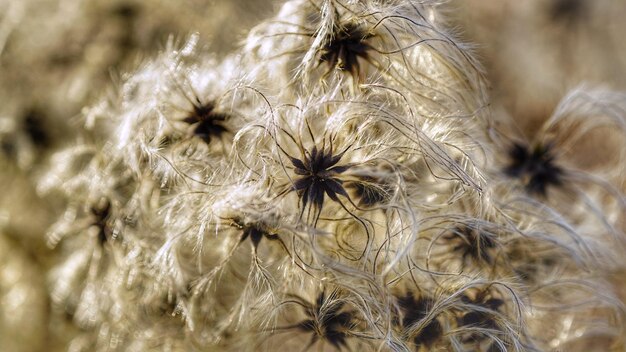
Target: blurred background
[(535, 51)]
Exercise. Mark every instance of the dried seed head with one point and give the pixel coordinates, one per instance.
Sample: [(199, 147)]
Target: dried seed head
[(536, 168), (348, 43), (483, 316), (472, 244), (206, 122), (34, 126), (413, 311), (329, 321), (371, 190), (101, 213), (255, 231), (318, 176)]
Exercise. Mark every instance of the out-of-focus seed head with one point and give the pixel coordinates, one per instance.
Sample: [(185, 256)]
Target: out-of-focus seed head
[(413, 311), (536, 167), (206, 123)]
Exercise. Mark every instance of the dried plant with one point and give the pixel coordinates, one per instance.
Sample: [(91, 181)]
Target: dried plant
[(338, 183)]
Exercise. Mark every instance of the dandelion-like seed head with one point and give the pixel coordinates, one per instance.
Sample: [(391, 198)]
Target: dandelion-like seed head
[(206, 123), (371, 190), (481, 313), (328, 320), (101, 213), (414, 310), (347, 44), (255, 231), (472, 244), (319, 176), (536, 167)]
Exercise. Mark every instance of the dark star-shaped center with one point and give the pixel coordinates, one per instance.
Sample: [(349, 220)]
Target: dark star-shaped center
[(348, 43), (319, 176), (207, 123), (536, 168), (415, 310), (329, 322)]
